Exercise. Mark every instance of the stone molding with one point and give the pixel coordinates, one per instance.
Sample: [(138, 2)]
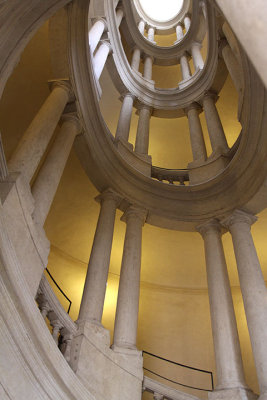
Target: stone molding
[(239, 217)]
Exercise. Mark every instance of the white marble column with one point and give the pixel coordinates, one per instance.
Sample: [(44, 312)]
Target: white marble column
[(232, 65), (148, 64), (135, 64), (185, 68), (100, 57), (215, 128), (141, 27), (124, 123), (34, 142), (151, 33), (187, 23), (229, 365), (94, 291), (196, 134), (96, 33), (253, 290), (179, 31), (197, 56), (125, 329), (142, 135), (48, 178), (119, 16)]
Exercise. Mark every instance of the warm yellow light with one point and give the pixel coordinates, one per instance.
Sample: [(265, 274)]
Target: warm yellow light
[(161, 10)]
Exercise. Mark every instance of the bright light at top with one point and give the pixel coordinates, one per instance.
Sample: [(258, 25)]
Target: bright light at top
[(161, 10)]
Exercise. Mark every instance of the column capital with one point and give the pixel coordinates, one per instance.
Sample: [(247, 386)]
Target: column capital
[(109, 194), (145, 56), (100, 19), (136, 213), (158, 396), (72, 117), (193, 106), (239, 216), (210, 95), (211, 226), (63, 84), (127, 94), (142, 106), (106, 43)]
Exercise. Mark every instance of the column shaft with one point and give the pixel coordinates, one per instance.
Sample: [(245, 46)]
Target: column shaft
[(125, 329), (187, 23), (196, 55), (229, 366), (47, 181), (196, 134), (151, 33), (215, 128), (233, 66), (142, 135), (148, 64), (97, 274), (135, 64), (100, 58), (185, 69), (96, 33), (253, 290), (179, 32), (124, 123), (119, 16), (36, 138), (141, 27)]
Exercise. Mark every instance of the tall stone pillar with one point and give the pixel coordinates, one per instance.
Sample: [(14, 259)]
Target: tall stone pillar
[(119, 16), (215, 128), (151, 33), (197, 56), (96, 33), (232, 65), (148, 64), (94, 291), (135, 64), (47, 181), (36, 138), (100, 57), (141, 27), (229, 366), (142, 135), (179, 32), (253, 290), (125, 329), (185, 68), (196, 134), (124, 123), (187, 23)]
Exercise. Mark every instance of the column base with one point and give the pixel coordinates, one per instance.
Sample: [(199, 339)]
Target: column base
[(201, 171), (232, 394), (140, 162)]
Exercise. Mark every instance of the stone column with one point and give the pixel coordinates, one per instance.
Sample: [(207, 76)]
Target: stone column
[(142, 135), (229, 366), (119, 16), (215, 128), (135, 64), (253, 290), (141, 27), (179, 32), (97, 274), (96, 33), (185, 68), (151, 33), (34, 142), (125, 329), (148, 64), (187, 23), (46, 183), (124, 123), (197, 56), (232, 65), (100, 57), (196, 134)]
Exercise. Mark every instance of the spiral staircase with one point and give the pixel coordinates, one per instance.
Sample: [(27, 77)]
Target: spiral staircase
[(46, 354)]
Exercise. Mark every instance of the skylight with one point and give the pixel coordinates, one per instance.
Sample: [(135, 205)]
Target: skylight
[(161, 10)]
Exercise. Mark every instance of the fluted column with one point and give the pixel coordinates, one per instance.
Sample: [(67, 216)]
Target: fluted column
[(179, 32), (197, 56), (141, 27), (97, 274), (151, 33), (100, 57), (185, 68), (47, 181), (196, 134), (142, 135), (119, 16), (124, 123), (96, 33), (36, 138), (253, 290), (148, 64), (135, 64), (215, 128), (232, 65), (229, 365), (187, 23), (125, 329)]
